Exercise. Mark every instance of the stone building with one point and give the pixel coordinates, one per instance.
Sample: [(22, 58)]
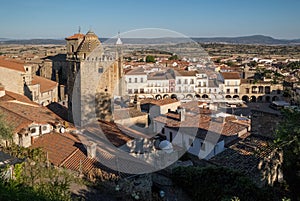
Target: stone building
[(260, 91), (93, 78), (20, 78)]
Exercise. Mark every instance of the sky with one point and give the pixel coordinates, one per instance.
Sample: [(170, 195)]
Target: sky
[(194, 18)]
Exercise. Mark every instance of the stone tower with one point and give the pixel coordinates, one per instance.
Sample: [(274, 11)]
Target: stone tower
[(93, 78)]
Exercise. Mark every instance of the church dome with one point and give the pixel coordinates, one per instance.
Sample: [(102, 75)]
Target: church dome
[(89, 43)]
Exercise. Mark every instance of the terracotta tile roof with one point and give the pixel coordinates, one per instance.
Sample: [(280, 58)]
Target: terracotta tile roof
[(185, 73), (58, 146), (10, 96), (245, 156), (31, 112), (66, 150), (16, 121), (45, 84), (114, 133), (203, 122), (231, 75), (59, 110), (158, 102), (125, 113), (12, 65), (75, 36)]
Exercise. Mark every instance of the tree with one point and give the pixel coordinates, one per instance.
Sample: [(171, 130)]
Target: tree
[(288, 140), (6, 130), (174, 57), (150, 59)]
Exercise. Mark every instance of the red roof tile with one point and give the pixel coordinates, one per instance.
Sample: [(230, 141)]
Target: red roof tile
[(231, 75), (12, 65), (158, 102), (45, 84), (58, 146), (76, 36)]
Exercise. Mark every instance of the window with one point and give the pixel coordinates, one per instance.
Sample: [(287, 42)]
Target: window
[(33, 130), (171, 136), (142, 90), (142, 79), (247, 90), (100, 70), (130, 91), (236, 83), (129, 80), (136, 91), (44, 128), (186, 81), (228, 91), (236, 91), (135, 80)]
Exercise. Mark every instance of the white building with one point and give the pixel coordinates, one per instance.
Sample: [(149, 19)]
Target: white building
[(136, 81), (231, 84)]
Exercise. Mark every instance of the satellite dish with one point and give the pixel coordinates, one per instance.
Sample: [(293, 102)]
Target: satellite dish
[(62, 130), (166, 146)]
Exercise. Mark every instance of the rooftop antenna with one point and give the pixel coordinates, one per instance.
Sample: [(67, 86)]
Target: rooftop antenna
[(79, 29)]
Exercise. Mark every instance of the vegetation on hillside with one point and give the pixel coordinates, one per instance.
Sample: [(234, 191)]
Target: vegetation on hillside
[(288, 141)]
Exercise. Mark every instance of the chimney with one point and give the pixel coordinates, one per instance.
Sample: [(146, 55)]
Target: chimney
[(62, 92), (91, 149), (181, 112), (137, 103), (2, 90)]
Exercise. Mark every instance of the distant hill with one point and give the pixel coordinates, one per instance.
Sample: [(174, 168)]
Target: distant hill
[(255, 39), (33, 41)]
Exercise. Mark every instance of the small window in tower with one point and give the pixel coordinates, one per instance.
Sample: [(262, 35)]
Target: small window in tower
[(100, 70)]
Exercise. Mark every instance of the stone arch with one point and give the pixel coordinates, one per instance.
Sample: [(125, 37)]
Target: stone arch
[(259, 99), (253, 99), (268, 99), (197, 96), (174, 96), (158, 97), (204, 96), (189, 96), (166, 96), (236, 96), (275, 98), (149, 96), (228, 96), (245, 98), (181, 96)]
